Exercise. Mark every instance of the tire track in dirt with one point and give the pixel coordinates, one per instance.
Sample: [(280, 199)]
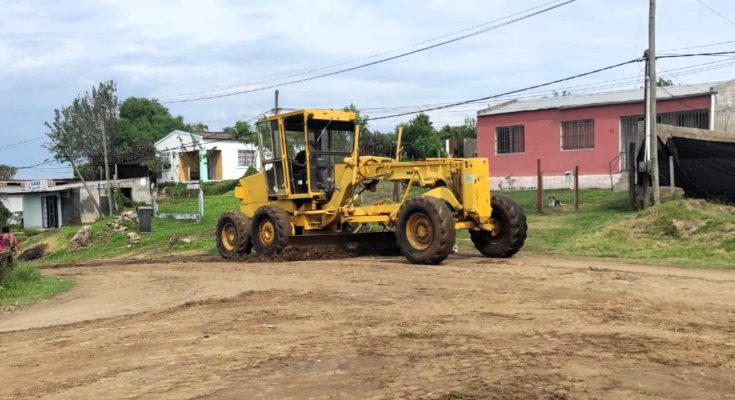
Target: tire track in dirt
[(529, 327)]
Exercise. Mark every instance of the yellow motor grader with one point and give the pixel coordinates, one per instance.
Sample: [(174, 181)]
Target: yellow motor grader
[(310, 184)]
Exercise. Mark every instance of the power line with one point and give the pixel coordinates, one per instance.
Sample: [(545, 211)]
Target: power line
[(513, 91), (715, 53), (24, 141), (700, 46), (294, 74), (379, 61), (716, 12)]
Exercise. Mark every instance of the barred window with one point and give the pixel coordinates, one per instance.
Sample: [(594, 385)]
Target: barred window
[(510, 139), (576, 135), (246, 158)]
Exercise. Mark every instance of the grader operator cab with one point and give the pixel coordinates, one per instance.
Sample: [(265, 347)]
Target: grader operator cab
[(309, 186)]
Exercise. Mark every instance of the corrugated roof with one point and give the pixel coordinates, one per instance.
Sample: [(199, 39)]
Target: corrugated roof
[(599, 99)]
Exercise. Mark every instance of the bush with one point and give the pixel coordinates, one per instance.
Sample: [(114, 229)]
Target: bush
[(222, 187), (5, 214)]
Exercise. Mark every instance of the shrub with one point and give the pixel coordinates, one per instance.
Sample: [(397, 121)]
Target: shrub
[(5, 214)]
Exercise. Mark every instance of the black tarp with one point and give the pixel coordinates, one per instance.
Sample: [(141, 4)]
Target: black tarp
[(703, 168)]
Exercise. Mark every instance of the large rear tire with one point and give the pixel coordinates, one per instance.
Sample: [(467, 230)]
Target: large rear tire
[(270, 230), (511, 231), (425, 230), (233, 234)]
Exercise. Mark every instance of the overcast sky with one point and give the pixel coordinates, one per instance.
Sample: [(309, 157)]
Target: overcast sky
[(50, 51)]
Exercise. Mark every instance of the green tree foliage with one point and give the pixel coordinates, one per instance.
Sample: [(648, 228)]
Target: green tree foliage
[(7, 172), (664, 82), (361, 119), (467, 130), (374, 143), (5, 214), (243, 131), (145, 120), (76, 132), (196, 127), (420, 139)]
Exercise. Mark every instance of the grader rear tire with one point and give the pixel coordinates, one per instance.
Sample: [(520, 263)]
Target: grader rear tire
[(233, 234), (510, 220), (425, 230), (270, 230)]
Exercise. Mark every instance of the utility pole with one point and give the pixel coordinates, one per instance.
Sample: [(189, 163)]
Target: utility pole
[(275, 109), (107, 169), (652, 86)]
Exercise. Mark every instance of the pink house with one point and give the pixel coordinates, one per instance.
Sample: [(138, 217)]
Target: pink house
[(591, 131)]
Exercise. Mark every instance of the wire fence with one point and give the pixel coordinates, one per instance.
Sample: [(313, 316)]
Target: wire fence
[(557, 190)]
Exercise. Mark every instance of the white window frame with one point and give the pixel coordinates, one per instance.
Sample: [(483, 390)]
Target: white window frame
[(523, 133)]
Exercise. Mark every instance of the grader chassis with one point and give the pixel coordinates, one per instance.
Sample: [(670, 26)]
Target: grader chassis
[(312, 175)]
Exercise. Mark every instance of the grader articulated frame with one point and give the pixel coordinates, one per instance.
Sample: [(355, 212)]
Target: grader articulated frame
[(312, 175)]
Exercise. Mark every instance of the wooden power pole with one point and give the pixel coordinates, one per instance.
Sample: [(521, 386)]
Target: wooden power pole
[(652, 87)]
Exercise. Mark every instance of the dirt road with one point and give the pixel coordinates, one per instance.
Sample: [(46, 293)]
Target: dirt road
[(374, 328)]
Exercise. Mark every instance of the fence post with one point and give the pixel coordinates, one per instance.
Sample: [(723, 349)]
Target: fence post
[(539, 188), (671, 176), (632, 174), (576, 188)]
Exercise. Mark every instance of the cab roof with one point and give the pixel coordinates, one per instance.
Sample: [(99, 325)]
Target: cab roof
[(316, 113)]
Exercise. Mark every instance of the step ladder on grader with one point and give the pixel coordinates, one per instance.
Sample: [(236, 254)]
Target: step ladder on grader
[(311, 179)]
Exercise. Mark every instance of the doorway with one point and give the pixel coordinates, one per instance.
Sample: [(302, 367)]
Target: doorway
[(50, 212)]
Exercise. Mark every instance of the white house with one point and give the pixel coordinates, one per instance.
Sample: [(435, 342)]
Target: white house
[(205, 156), (48, 204)]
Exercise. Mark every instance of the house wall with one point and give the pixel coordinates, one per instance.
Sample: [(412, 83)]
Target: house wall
[(543, 139), (175, 143), (229, 159), (139, 190), (32, 210), (724, 110)]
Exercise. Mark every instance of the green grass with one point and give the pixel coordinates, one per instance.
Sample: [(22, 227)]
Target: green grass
[(108, 244), (25, 284), (604, 226)]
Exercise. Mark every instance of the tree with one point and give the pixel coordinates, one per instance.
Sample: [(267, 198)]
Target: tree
[(420, 139), (77, 133), (196, 127), (144, 120), (360, 119), (664, 82), (243, 131), (467, 130), (7, 172)]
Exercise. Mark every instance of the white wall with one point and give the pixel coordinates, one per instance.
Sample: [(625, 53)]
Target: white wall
[(229, 148), (530, 182), (230, 169), (172, 144), (32, 211), (12, 201)]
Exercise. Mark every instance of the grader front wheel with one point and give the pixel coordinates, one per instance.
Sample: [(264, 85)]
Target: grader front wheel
[(425, 230), (510, 234), (270, 230), (233, 234)]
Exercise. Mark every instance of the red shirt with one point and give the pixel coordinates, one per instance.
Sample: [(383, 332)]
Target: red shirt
[(11, 238)]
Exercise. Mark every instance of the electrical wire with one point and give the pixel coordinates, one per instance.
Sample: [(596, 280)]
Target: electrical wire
[(716, 12), (24, 141), (294, 74), (463, 102), (379, 61)]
